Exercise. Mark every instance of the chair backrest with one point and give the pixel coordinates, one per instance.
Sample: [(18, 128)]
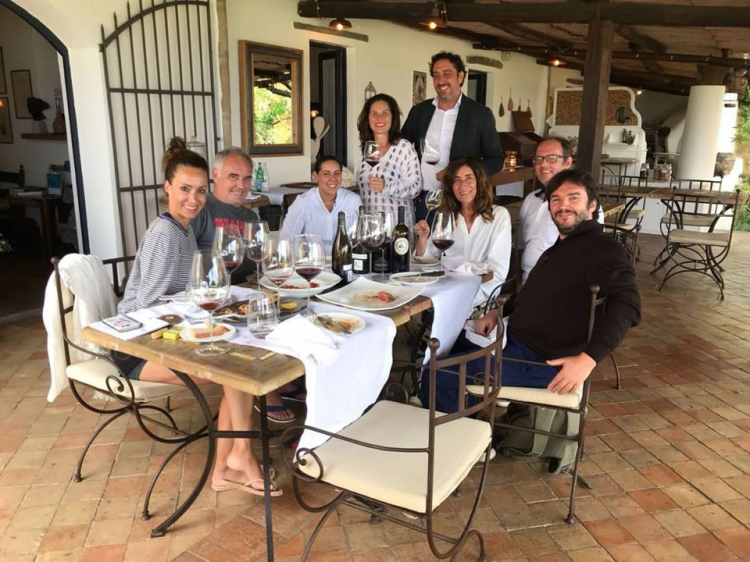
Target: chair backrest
[(18, 177), (693, 203), (115, 262), (287, 202)]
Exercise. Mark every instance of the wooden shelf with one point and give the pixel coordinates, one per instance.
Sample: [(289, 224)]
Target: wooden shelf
[(45, 136)]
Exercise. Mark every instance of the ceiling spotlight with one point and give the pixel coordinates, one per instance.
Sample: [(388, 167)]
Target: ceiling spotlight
[(436, 17), (638, 92), (555, 62), (340, 24)]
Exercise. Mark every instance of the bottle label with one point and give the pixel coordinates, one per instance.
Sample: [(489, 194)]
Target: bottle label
[(401, 246)]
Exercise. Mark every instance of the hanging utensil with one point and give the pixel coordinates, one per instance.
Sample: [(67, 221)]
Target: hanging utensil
[(501, 111), (510, 100), (528, 107)]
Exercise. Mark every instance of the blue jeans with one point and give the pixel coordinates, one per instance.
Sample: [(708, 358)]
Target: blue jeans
[(514, 373)]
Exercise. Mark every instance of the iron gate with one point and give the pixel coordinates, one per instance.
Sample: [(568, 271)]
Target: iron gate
[(159, 73)]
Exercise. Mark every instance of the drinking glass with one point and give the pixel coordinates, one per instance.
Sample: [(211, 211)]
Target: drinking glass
[(228, 244), (442, 229), (380, 265), (278, 261), (371, 233), (256, 244), (309, 259), (262, 316), (433, 199), (430, 152), (208, 288), (371, 153)]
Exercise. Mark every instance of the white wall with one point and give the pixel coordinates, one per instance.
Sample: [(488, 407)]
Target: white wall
[(387, 60), (25, 49), (655, 106)]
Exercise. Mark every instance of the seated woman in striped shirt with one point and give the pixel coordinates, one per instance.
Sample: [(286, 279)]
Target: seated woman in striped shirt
[(162, 267)]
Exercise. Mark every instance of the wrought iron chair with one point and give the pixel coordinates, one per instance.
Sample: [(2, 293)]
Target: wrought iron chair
[(409, 459), (575, 403), (135, 397), (696, 251)]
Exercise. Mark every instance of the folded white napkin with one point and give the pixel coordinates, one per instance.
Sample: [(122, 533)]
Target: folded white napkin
[(467, 267), (307, 339)]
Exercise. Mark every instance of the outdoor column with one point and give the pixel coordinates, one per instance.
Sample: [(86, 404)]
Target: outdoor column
[(700, 140)]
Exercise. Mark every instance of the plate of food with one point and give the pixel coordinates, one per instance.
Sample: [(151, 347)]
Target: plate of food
[(366, 294), (339, 322), (201, 334), (417, 278), (297, 287), (425, 262)]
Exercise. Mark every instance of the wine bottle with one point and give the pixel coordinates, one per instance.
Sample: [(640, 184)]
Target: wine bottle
[(381, 258), (359, 254), (341, 252), (401, 255)]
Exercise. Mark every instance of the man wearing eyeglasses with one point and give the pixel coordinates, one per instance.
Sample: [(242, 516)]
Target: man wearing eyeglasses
[(452, 125), (538, 230)]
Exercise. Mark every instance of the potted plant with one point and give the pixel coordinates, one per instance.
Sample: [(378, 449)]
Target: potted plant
[(37, 108)]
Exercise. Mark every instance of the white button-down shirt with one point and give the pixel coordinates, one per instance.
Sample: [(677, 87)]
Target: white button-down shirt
[(439, 134), (309, 215)]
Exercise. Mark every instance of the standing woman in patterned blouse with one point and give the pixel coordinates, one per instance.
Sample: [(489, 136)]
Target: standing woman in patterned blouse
[(395, 179)]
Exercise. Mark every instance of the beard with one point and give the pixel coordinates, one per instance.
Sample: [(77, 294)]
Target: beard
[(567, 228)]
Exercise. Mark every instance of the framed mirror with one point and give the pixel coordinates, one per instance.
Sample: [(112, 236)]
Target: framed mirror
[(271, 99)]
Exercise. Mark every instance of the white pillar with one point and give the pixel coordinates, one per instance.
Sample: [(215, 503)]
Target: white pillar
[(700, 141)]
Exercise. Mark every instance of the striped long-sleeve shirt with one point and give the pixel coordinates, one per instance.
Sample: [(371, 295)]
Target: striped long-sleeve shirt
[(162, 264)]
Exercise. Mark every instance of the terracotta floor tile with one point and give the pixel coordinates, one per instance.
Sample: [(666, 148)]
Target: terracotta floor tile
[(645, 528), (572, 537), (707, 548), (679, 523), (66, 537), (597, 554), (661, 475), (712, 517), (669, 551), (740, 509), (653, 500), (737, 539), (630, 553), (609, 532)]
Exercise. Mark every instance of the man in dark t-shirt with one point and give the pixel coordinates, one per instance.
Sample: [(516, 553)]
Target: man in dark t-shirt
[(232, 172)]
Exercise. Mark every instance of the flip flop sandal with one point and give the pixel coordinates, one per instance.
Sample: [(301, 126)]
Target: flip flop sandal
[(295, 395), (271, 408), (227, 485)]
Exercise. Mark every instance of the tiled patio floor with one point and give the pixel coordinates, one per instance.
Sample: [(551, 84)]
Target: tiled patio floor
[(668, 458)]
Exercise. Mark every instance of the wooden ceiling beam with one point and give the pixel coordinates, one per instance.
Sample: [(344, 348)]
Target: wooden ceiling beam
[(630, 13), (526, 32)]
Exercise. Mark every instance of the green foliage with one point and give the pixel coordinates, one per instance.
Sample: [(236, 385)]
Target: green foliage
[(743, 122), (272, 115), (743, 216)]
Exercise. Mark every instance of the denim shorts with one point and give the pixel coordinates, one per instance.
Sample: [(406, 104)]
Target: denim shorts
[(130, 366)]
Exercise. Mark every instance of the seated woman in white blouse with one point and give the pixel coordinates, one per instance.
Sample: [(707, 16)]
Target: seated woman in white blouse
[(481, 230), (394, 180), (316, 211)]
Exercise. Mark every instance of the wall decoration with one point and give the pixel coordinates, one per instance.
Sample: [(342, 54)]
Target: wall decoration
[(21, 80), (370, 91), (568, 111), (3, 83), (6, 132), (418, 87)]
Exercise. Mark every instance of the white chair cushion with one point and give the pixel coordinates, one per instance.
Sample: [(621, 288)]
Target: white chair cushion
[(400, 479), (636, 214), (540, 396), (621, 225), (692, 220), (682, 236), (94, 373)]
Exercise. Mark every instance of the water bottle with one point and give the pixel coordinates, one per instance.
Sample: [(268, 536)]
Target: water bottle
[(266, 178), (259, 177)]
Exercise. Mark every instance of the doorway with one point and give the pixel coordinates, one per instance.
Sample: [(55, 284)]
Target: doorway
[(40, 215), (328, 96), (478, 86)]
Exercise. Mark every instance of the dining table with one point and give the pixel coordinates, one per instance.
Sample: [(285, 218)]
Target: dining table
[(630, 195), (254, 370)]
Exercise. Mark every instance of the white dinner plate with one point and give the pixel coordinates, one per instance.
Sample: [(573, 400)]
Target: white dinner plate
[(363, 294), (413, 279), (187, 334), (424, 262), (351, 321), (324, 281)]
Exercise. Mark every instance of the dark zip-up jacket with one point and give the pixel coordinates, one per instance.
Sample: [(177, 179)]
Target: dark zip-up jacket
[(551, 312)]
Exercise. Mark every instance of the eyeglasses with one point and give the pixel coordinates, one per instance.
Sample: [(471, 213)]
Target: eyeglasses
[(549, 158)]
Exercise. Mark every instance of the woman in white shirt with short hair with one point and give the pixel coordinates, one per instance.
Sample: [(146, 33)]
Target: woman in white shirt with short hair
[(316, 211), (481, 230)]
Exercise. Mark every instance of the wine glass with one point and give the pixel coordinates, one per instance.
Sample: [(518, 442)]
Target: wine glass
[(262, 316), (371, 233), (208, 288), (442, 229), (380, 264), (309, 259), (256, 244), (371, 152), (278, 261), (228, 244), (430, 152), (434, 199)]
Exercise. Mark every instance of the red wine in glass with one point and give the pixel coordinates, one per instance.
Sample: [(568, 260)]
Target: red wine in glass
[(231, 265), (369, 246), (443, 244), (308, 273), (277, 280), (255, 253), (211, 305)]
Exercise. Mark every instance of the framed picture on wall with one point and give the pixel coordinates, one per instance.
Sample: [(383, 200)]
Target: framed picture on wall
[(21, 81), (6, 132), (418, 87), (3, 83)]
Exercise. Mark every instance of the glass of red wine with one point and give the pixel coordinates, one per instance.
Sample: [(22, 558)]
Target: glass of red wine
[(208, 288), (430, 152), (371, 153), (278, 261), (256, 243), (371, 232), (442, 231), (228, 244), (309, 259)]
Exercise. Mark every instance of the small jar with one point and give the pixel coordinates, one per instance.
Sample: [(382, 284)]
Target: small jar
[(511, 160)]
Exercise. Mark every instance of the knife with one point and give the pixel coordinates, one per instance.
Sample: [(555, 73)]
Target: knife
[(422, 274)]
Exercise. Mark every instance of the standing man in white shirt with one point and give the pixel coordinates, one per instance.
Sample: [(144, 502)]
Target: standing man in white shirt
[(455, 125), (538, 230)]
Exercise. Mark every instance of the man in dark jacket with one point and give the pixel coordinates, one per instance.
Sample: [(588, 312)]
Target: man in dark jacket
[(549, 322), (453, 126)]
